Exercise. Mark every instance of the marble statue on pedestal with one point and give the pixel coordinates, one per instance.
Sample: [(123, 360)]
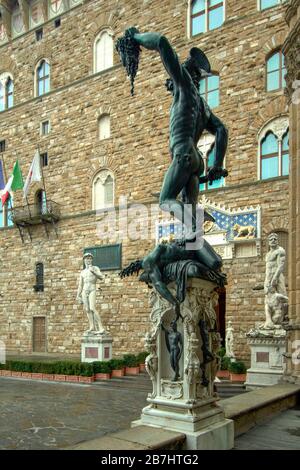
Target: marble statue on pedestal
[(183, 340), (268, 340), (276, 299), (229, 340), (86, 294)]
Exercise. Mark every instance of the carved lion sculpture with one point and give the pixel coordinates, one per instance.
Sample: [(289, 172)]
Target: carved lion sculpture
[(247, 231)]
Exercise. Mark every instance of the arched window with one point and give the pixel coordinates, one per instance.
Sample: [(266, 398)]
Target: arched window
[(209, 90), (109, 191), (208, 163), (6, 214), (103, 51), (206, 15), (42, 78), (285, 155), (6, 91), (274, 149), (9, 93), (2, 97), (275, 72), (269, 156), (104, 126), (103, 190)]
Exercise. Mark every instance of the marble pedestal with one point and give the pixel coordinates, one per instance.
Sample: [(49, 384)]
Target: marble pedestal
[(267, 360), (96, 348), (188, 405)]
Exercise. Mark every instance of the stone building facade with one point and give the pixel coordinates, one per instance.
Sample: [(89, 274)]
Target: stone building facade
[(291, 50), (99, 138)]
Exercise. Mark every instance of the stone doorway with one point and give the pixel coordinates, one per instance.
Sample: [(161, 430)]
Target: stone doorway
[(39, 334)]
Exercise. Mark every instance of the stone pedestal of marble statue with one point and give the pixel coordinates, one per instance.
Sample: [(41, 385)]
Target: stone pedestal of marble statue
[(189, 404), (267, 358), (96, 347)]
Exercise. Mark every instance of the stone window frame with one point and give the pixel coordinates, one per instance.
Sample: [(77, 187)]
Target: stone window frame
[(38, 64), (97, 39), (4, 80), (280, 70), (279, 2), (279, 126), (42, 123), (101, 118), (205, 145), (189, 18), (102, 175)]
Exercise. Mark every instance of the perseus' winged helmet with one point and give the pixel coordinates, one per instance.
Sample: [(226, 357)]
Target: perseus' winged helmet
[(198, 62), (198, 66)]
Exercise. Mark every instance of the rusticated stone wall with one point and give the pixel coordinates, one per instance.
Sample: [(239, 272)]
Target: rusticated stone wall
[(137, 153)]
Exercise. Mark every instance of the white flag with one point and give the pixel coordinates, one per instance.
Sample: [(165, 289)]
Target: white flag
[(34, 174)]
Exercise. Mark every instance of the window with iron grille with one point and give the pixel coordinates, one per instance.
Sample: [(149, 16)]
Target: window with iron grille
[(106, 257), (39, 275)]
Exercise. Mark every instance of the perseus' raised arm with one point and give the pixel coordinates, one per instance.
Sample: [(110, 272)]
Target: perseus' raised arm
[(158, 42)]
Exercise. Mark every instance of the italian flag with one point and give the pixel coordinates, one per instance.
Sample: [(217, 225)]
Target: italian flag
[(14, 182)]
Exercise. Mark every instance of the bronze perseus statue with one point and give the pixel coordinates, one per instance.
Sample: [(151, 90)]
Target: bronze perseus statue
[(190, 115)]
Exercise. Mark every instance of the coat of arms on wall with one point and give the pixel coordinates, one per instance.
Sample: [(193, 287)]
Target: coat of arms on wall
[(234, 233)]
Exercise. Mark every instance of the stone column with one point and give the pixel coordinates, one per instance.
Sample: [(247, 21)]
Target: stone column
[(291, 50), (187, 402)]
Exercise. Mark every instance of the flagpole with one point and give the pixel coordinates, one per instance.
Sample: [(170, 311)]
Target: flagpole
[(28, 207), (43, 179)]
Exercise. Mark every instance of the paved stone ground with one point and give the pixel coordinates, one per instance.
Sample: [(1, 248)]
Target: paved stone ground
[(282, 432), (43, 415)]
